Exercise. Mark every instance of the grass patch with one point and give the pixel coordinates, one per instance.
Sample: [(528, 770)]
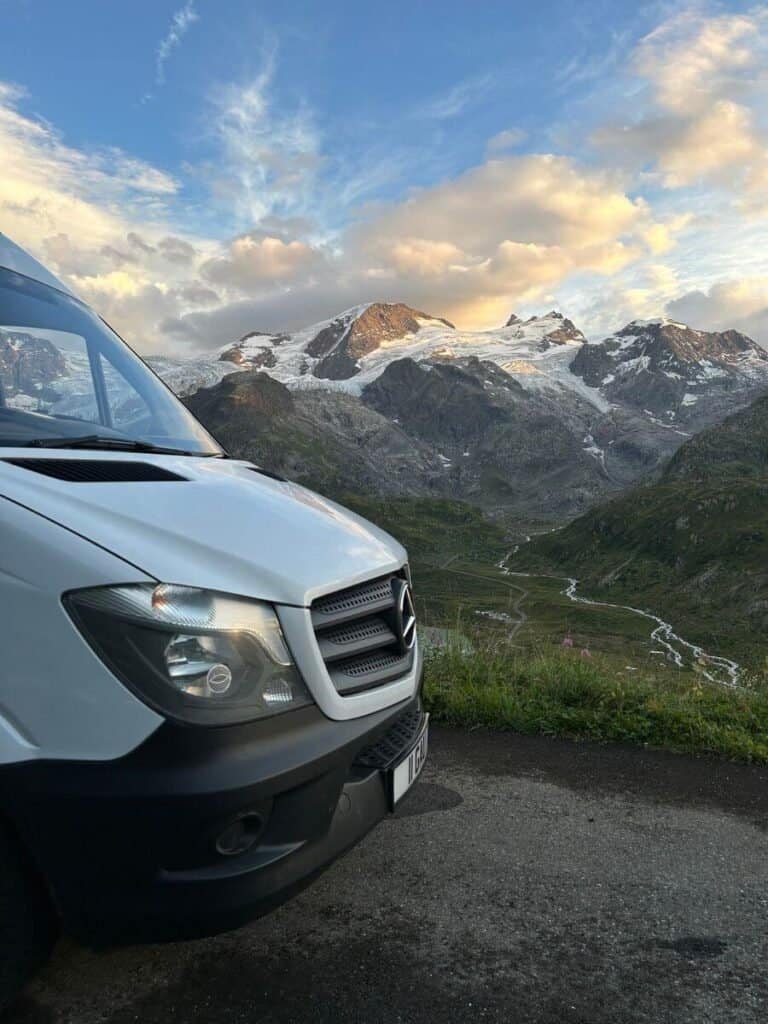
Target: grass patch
[(519, 678), (563, 694)]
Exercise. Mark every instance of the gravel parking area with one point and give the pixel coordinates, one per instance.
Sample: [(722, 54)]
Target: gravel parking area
[(523, 880)]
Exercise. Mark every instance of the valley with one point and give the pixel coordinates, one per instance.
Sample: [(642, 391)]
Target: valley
[(692, 545), (465, 588)]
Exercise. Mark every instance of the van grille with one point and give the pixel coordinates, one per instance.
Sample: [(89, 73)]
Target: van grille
[(356, 631), (347, 603)]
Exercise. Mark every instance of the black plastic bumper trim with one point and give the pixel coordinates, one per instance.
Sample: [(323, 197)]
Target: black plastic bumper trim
[(128, 848)]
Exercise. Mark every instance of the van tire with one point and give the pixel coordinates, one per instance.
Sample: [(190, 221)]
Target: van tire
[(27, 923)]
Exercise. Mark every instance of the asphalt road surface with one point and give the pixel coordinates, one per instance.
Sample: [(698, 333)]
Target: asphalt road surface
[(522, 880)]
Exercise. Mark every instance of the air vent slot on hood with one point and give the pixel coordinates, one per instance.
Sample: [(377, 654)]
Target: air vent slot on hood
[(268, 473), (97, 471)]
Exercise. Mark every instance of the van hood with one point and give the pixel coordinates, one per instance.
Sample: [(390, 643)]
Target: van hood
[(223, 527)]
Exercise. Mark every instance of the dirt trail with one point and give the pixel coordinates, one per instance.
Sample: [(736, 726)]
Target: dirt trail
[(514, 606)]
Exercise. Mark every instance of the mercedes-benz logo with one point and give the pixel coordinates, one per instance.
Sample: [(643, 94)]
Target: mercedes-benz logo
[(405, 624)]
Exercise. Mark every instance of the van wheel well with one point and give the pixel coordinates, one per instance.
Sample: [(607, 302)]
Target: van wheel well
[(28, 924)]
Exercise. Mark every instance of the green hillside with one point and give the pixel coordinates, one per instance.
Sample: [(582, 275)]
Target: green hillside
[(692, 547), (738, 447)]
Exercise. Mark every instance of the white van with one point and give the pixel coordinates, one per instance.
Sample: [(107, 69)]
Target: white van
[(210, 677)]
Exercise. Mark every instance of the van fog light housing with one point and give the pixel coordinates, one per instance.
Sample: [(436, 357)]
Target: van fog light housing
[(279, 693), (195, 655), (239, 836)]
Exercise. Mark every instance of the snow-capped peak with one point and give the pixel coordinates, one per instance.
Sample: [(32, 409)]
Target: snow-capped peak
[(663, 367), (551, 329), (637, 326), (348, 351)]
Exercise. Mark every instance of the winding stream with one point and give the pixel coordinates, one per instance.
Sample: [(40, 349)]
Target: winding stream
[(683, 653)]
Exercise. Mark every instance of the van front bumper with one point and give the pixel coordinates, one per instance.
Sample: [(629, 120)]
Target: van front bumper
[(131, 850)]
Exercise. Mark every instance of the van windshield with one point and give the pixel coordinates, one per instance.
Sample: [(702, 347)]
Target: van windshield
[(67, 380)]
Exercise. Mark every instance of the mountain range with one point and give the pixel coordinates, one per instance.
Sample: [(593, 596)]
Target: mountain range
[(530, 420)]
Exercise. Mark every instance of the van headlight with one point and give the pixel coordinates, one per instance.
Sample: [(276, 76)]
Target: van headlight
[(195, 655)]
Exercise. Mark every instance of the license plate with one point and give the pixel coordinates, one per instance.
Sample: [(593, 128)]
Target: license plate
[(403, 775)]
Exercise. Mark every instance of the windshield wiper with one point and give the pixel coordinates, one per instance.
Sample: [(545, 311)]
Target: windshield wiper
[(99, 441)]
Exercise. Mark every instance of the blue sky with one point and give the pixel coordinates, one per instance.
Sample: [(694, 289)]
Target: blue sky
[(204, 168), (437, 78)]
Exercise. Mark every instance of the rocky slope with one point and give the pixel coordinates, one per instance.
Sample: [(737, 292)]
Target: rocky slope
[(332, 442), (186, 376), (354, 348), (500, 445), (650, 374), (672, 372), (736, 448), (659, 368), (426, 430), (341, 345), (464, 428)]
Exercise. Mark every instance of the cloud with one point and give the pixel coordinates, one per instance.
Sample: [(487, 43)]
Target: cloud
[(702, 90), (740, 303), (102, 220), (268, 162), (665, 202), (253, 261), (502, 142), (118, 258), (661, 236), (588, 67), (195, 294), (469, 248), (176, 250), (501, 232), (137, 242), (47, 187), (106, 222), (181, 22), (639, 291), (132, 304), (455, 100), (425, 257), (545, 199), (711, 143), (691, 59)]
